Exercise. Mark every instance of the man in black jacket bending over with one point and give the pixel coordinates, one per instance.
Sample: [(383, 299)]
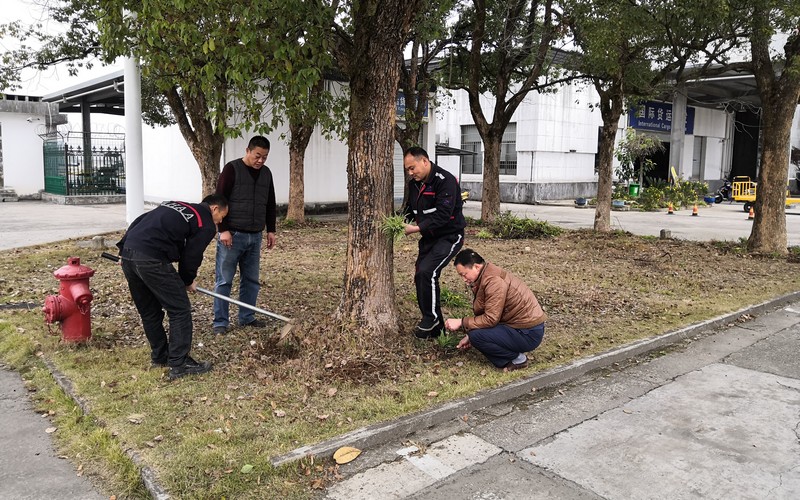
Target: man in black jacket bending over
[(173, 232), (434, 202)]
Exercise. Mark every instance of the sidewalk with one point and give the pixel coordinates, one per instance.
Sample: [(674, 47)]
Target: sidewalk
[(717, 418)]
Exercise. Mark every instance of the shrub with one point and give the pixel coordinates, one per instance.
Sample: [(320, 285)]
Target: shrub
[(509, 226)]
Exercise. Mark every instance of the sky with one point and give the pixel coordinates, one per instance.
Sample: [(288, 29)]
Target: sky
[(38, 83)]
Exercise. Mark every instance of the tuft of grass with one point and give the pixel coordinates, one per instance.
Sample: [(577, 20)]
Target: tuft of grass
[(394, 226), (448, 340), (484, 234), (509, 226)]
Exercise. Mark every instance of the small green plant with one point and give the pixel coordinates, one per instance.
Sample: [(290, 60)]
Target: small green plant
[(394, 226), (447, 340), (484, 234), (453, 299), (509, 226)]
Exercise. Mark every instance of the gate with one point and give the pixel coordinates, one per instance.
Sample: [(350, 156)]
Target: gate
[(79, 163)]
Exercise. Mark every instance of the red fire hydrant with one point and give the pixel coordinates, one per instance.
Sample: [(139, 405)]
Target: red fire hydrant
[(72, 306)]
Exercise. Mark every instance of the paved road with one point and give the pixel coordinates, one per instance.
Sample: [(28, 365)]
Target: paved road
[(718, 419)]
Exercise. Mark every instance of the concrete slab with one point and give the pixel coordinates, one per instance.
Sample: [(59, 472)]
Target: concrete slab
[(776, 354), (29, 466), (535, 420), (419, 468), (719, 432), (504, 477)]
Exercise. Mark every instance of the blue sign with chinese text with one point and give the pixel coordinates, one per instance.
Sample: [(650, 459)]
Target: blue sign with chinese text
[(657, 117)]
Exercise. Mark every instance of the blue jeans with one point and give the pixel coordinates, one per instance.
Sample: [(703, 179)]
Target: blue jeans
[(501, 344), (246, 254)]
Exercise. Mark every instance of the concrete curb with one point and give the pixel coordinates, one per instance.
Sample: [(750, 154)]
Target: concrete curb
[(148, 475), (398, 429)]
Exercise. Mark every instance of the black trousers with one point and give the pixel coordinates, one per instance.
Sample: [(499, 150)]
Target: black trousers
[(434, 255), (156, 287)]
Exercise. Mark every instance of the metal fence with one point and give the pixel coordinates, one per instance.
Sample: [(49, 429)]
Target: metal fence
[(79, 163)]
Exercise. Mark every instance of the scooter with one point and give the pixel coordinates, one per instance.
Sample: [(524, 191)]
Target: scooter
[(724, 192)]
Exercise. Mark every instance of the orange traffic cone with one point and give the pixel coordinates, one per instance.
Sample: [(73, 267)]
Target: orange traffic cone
[(751, 215), (670, 211), (694, 210)]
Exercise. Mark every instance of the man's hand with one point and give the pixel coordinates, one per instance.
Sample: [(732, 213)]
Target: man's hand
[(452, 324), (226, 238), (411, 229), (270, 240), (192, 288), (464, 344)]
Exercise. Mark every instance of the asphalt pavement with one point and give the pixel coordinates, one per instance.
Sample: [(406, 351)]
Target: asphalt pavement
[(714, 416)]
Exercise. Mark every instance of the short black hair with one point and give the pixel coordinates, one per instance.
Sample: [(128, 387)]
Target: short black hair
[(216, 199), (468, 258), (258, 141), (416, 152)]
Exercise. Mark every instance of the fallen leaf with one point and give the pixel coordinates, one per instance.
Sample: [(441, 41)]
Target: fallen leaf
[(158, 438), (247, 469), (318, 484), (625, 410), (332, 392), (279, 413), (51, 430), (346, 454), (433, 394), (322, 417), (150, 444)]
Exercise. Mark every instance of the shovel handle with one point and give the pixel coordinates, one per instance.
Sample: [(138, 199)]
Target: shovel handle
[(242, 304), (109, 256)]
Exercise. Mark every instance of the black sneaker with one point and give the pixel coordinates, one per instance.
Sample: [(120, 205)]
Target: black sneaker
[(189, 367), (256, 323), (154, 365), (427, 329), (220, 330)]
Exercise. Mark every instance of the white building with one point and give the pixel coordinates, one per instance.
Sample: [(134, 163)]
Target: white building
[(549, 150), (22, 119), (550, 146)]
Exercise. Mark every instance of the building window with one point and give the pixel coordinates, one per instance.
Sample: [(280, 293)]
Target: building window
[(471, 141), (508, 151)]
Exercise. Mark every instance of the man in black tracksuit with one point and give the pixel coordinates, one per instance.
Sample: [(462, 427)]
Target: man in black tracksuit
[(434, 201), (173, 232)]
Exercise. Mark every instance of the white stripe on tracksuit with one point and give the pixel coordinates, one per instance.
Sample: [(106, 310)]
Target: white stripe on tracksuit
[(436, 274)]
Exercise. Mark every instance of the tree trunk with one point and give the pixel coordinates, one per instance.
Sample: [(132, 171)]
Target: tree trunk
[(605, 176), (203, 138), (610, 109), (490, 197), (300, 137), (368, 296), (769, 227), (779, 92)]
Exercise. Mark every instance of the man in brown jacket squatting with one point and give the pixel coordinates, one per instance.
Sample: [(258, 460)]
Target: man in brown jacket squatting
[(508, 319)]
